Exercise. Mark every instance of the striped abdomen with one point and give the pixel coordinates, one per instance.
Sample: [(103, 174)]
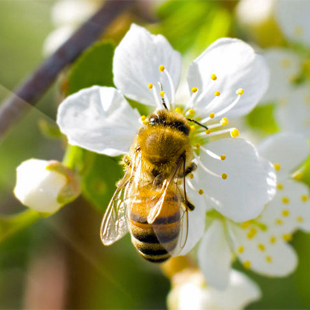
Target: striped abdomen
[(154, 241)]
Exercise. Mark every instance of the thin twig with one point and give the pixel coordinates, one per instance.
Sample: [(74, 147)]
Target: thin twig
[(28, 94)]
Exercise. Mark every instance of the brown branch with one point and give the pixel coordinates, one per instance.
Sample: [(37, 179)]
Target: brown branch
[(28, 94)]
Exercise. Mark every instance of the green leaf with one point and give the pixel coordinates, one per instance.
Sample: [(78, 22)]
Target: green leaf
[(99, 183), (261, 118), (94, 67), (193, 25), (10, 225)]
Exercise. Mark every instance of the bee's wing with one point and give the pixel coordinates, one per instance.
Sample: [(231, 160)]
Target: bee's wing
[(114, 222), (169, 217)]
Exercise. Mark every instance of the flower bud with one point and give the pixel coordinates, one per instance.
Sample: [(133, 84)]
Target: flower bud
[(45, 186)]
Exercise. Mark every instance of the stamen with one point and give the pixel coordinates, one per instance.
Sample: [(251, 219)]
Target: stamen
[(165, 100), (224, 121), (240, 91), (178, 109), (217, 93), (143, 118), (150, 86), (191, 100), (206, 169), (230, 106), (162, 94), (190, 112), (212, 115), (194, 89), (233, 132), (200, 192), (172, 88), (211, 154), (159, 105)]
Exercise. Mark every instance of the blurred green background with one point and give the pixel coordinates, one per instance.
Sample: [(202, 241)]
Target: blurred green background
[(59, 262)]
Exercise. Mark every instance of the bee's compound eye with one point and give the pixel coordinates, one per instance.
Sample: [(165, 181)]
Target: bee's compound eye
[(153, 120)]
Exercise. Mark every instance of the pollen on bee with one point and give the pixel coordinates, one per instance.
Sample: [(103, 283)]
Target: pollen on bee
[(224, 121), (145, 122), (191, 112), (161, 68), (162, 93), (143, 118), (178, 109), (234, 133), (223, 157), (217, 93), (194, 89), (213, 77), (224, 176), (150, 86), (200, 192), (240, 91)]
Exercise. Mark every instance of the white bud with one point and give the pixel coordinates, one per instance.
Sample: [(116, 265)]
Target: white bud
[(45, 186)]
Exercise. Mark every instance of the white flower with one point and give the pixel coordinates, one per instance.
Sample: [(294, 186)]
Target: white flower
[(147, 69), (261, 244), (67, 16), (45, 186), (189, 291)]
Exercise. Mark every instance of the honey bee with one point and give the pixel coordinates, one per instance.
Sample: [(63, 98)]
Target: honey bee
[(151, 200)]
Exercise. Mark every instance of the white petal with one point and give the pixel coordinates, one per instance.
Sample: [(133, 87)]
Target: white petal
[(196, 220), (294, 113), (240, 292), (284, 65), (262, 251), (289, 209), (215, 257), (236, 66), (99, 119), (38, 188), (250, 182), (293, 19), (288, 150), (136, 62)]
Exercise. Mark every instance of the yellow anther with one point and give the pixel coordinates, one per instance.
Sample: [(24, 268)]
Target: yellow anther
[(192, 127), (285, 212), (286, 62), (240, 91), (297, 176), (261, 247), (287, 237), (269, 259), (304, 198), (240, 249), (179, 110), (208, 131), (194, 89), (246, 224), (279, 186), (198, 146), (251, 234), (191, 176), (224, 121), (224, 176), (223, 157), (247, 264), (217, 93), (279, 222), (234, 133), (277, 166), (145, 122), (273, 239), (285, 200), (299, 219), (213, 77), (161, 68), (212, 115), (191, 112), (143, 118), (200, 192), (150, 86), (162, 93)]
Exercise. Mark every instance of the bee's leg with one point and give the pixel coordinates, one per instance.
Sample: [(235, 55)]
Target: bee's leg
[(158, 180), (190, 168)]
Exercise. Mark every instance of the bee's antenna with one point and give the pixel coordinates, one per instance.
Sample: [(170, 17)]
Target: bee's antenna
[(162, 98), (192, 120)]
